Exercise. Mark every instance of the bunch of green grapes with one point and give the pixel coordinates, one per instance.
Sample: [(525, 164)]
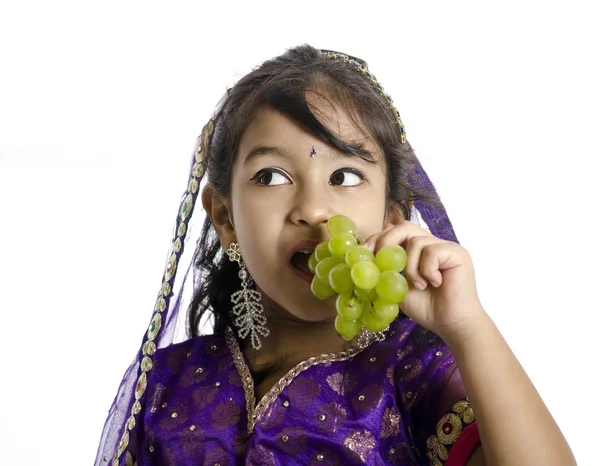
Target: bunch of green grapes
[(369, 287)]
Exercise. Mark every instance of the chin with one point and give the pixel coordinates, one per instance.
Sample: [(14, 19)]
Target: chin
[(302, 306)]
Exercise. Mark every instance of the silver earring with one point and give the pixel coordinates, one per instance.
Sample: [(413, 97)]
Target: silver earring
[(250, 318)]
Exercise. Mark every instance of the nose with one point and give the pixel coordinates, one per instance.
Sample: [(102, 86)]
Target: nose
[(311, 208)]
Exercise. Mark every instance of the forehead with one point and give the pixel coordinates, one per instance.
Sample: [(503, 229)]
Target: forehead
[(270, 127)]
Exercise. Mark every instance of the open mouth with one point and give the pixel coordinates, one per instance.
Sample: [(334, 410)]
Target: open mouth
[(300, 261)]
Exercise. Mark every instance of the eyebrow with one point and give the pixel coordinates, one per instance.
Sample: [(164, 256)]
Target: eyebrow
[(261, 151)]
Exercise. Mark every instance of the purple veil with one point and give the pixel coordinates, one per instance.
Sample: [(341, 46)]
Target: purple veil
[(180, 279)]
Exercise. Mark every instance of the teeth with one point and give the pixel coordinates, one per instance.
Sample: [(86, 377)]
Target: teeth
[(306, 251)]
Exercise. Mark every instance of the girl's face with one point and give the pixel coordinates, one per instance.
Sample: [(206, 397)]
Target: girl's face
[(281, 198)]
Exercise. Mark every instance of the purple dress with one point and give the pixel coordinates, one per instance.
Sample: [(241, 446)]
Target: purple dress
[(384, 405)]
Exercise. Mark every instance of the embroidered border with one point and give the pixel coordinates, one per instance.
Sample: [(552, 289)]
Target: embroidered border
[(448, 430), (255, 412), (186, 209)]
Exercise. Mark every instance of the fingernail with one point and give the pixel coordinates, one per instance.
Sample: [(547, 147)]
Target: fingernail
[(420, 286)]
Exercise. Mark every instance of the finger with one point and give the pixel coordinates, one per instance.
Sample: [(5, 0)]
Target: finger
[(399, 234), (429, 266), (370, 242), (414, 252)]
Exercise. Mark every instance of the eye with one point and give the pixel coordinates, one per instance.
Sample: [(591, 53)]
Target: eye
[(270, 177), (347, 177)]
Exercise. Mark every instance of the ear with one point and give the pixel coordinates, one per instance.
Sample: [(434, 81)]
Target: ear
[(394, 215), (217, 210)]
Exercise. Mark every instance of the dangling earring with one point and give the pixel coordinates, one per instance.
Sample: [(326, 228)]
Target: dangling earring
[(250, 313)]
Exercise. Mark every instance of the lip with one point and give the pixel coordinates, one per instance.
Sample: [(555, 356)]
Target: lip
[(298, 247)]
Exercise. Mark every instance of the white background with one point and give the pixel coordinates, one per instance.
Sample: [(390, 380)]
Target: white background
[(100, 106)]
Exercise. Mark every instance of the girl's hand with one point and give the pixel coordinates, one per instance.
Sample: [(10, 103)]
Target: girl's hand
[(448, 302)]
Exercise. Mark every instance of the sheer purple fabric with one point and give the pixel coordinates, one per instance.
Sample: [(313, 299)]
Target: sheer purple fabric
[(134, 400)]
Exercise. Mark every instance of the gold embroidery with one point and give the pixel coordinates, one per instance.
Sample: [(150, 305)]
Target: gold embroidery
[(360, 444), (244, 372), (335, 381), (149, 347), (448, 431), (391, 422), (255, 412)]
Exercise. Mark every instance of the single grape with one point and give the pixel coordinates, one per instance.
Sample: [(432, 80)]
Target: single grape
[(347, 328), (358, 254), (372, 321), (366, 295), (348, 307), (324, 267), (322, 251), (392, 286), (365, 275), (339, 279), (341, 224), (312, 262), (385, 310), (320, 289), (340, 243), (391, 257)]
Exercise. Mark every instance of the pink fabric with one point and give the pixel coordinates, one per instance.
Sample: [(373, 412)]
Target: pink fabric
[(465, 446)]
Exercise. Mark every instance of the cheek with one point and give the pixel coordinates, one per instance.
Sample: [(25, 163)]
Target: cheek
[(256, 228)]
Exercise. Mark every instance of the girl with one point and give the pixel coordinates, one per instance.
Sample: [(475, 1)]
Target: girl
[(306, 136)]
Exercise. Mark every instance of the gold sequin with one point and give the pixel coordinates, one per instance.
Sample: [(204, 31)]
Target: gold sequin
[(149, 348), (177, 245), (174, 415), (164, 405), (186, 206), (140, 387), (171, 267), (181, 229), (193, 186), (136, 408), (285, 438), (322, 417), (197, 171), (131, 422), (146, 364), (199, 370), (286, 404), (123, 443), (166, 289), (154, 327), (192, 428), (439, 353), (161, 304)]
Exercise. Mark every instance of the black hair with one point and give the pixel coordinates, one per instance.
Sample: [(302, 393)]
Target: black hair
[(283, 83)]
